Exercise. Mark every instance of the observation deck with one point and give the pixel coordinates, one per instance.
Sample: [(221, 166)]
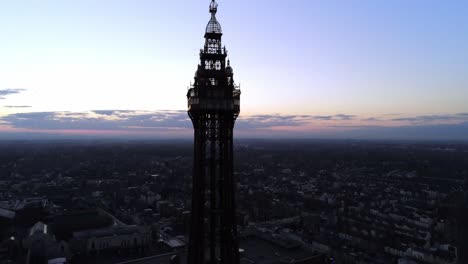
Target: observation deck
[(213, 100)]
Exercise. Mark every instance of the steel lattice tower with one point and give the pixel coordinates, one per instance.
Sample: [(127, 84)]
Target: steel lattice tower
[(213, 106)]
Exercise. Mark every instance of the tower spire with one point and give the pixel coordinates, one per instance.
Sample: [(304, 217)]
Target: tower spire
[(213, 7), (213, 25)]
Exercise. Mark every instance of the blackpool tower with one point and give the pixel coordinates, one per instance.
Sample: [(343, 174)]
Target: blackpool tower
[(213, 106)]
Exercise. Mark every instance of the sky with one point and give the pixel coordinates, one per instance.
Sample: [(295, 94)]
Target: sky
[(307, 69)]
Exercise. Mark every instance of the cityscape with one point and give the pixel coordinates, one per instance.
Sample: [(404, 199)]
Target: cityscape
[(117, 202), (347, 143)]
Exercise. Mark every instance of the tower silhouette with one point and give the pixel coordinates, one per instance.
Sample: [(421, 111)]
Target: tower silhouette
[(213, 106)]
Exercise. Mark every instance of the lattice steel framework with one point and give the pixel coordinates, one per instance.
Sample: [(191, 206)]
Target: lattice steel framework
[(213, 106)]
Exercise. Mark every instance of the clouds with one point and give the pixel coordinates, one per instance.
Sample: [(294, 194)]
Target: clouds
[(334, 117), (372, 119), (268, 121), (131, 120), (425, 119), (169, 124), (5, 92), (17, 106), (278, 120), (113, 112), (100, 120)]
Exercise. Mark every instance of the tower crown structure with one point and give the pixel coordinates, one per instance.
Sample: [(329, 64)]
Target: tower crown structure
[(214, 86), (213, 107)]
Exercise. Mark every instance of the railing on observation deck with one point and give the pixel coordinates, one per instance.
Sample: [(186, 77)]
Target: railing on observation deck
[(207, 50)]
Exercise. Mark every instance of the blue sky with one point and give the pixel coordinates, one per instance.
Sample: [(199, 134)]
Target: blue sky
[(385, 63)]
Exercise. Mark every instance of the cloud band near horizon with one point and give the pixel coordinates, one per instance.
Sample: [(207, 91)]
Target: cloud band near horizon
[(170, 124)]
